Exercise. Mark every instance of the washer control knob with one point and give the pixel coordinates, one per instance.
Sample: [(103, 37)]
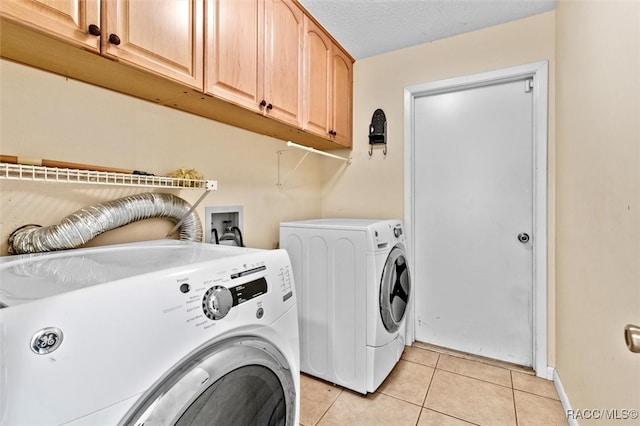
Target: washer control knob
[(217, 302)]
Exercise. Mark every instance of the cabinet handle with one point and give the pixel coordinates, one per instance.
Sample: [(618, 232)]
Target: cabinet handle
[(114, 39), (94, 30), (332, 132), (269, 107), (263, 103)]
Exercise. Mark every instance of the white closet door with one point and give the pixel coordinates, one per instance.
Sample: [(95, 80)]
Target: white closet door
[(473, 215)]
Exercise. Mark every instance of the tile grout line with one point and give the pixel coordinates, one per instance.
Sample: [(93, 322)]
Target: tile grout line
[(424, 400), (513, 396), (454, 417), (418, 363), (423, 407), (464, 375), (397, 399), (330, 405), (475, 378), (510, 370), (535, 394), (482, 360), (435, 368)]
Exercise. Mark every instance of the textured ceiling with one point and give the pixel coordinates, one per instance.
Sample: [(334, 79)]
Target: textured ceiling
[(372, 27)]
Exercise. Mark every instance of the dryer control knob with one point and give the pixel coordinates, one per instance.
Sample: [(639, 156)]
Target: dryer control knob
[(217, 302)]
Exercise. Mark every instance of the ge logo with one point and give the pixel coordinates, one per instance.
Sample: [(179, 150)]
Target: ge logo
[(46, 340)]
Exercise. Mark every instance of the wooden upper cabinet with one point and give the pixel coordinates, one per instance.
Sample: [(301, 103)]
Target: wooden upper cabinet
[(328, 86), (283, 47), (162, 36), (341, 97), (68, 20), (253, 56), (318, 48), (233, 55)]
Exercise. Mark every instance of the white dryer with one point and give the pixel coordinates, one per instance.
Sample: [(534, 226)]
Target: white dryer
[(353, 287), (155, 333)]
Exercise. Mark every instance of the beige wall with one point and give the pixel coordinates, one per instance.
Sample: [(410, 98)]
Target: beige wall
[(597, 158), (379, 82), (47, 116), (373, 187), (598, 201)]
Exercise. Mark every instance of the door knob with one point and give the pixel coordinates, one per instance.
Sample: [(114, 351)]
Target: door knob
[(632, 337), (523, 237)]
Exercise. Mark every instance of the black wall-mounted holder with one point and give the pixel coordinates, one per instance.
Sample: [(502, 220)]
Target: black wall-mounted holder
[(378, 131)]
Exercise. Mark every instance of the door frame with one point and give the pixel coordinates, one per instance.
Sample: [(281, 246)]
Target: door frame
[(539, 72)]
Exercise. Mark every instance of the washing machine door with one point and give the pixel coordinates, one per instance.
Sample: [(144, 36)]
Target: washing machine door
[(242, 381), (395, 288)]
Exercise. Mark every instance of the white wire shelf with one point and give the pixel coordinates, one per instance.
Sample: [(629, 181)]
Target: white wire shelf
[(54, 174)]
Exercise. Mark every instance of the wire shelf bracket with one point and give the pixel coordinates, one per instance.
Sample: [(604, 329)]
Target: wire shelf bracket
[(308, 150)]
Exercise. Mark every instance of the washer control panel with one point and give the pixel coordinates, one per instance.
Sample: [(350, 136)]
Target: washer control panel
[(218, 300), (388, 233), (256, 287)]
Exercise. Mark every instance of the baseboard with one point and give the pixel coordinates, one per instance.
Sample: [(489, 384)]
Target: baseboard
[(564, 399), (550, 373)]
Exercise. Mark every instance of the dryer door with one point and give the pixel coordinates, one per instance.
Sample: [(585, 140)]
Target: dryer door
[(395, 288), (241, 381)]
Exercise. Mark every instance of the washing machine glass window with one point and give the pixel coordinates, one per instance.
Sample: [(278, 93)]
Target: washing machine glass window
[(395, 288), (250, 395), (242, 381)]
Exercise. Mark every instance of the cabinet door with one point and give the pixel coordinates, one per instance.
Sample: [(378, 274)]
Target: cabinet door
[(233, 57), (283, 61), (162, 36), (68, 20), (341, 97), (317, 80)]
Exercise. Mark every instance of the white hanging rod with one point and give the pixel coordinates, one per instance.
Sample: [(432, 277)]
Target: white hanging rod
[(315, 151)]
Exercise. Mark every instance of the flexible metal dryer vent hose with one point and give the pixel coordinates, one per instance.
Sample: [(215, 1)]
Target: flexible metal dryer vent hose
[(89, 222)]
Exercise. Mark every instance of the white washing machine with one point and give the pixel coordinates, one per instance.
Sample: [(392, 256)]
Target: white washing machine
[(156, 333), (353, 286)]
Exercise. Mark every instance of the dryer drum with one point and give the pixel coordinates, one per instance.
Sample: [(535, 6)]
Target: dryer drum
[(395, 288), (87, 223)]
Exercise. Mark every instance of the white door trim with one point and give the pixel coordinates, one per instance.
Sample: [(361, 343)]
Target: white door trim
[(539, 71)]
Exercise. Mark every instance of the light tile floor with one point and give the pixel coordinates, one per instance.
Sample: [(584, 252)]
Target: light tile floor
[(439, 387)]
